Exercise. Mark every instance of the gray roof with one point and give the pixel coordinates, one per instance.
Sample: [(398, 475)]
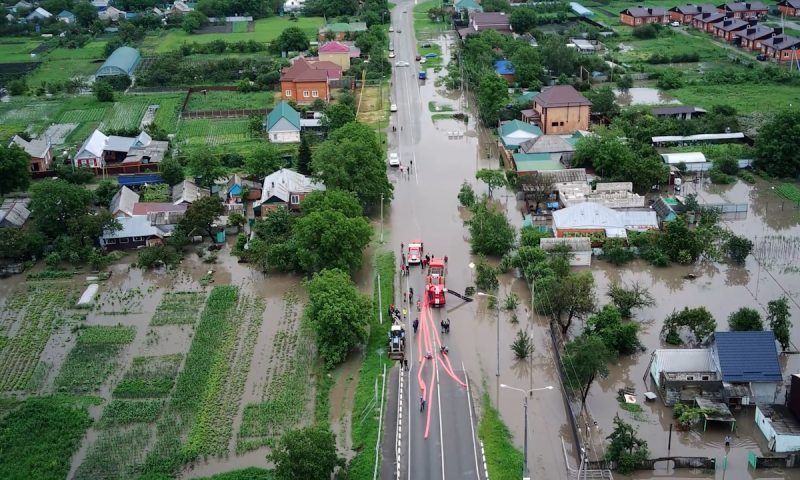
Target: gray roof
[(755, 32), (14, 212), (285, 182), (187, 192), (743, 6), (782, 42), (123, 61), (691, 8), (546, 144), (36, 148), (589, 215), (676, 110), (645, 11), (124, 201), (136, 226)]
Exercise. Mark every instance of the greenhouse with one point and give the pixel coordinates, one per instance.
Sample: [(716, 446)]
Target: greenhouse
[(123, 61)]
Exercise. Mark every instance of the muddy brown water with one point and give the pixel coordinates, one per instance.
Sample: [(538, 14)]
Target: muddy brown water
[(644, 96)]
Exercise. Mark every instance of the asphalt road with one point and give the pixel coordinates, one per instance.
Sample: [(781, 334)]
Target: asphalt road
[(441, 441)]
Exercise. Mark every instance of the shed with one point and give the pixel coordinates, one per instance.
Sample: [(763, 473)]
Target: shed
[(140, 180), (123, 61), (684, 157), (715, 411), (14, 212), (514, 133), (527, 163), (780, 428), (579, 9), (123, 202), (187, 192), (581, 249), (682, 374)]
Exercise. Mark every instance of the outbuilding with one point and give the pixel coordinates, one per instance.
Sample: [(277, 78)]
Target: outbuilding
[(123, 61)]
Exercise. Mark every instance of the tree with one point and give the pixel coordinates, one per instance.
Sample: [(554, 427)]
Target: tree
[(309, 453), (492, 178), (16, 244), (266, 159), (490, 231), (171, 171), (496, 6), (538, 188), (15, 172), (777, 144), (738, 248), (680, 243), (485, 276), (105, 192), (527, 63), (621, 338), (206, 168), (523, 345), (338, 115), (339, 314), (626, 299), (585, 359), (85, 13), (201, 215), (55, 202), (103, 91), (340, 201), (352, 160), (626, 449), (304, 155), (466, 195), (698, 321), (292, 39), (492, 97), (565, 297), (255, 124), (604, 102), (329, 239), (778, 318), (192, 21), (523, 19), (745, 320), (624, 83), (670, 79)]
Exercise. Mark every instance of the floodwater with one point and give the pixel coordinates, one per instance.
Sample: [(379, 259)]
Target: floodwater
[(644, 96)]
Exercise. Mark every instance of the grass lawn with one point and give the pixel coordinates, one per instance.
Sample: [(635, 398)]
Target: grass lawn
[(60, 70), (17, 50), (741, 97), (229, 100), (373, 106), (503, 460), (672, 45), (93, 50), (421, 21), (435, 62), (266, 30)]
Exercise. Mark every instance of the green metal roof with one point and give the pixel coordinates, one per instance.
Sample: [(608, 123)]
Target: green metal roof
[(534, 162), (467, 5), (526, 97), (283, 110), (514, 125)]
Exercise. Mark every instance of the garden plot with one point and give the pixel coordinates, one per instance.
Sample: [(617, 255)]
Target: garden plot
[(214, 132), (125, 115), (178, 308), (116, 454), (29, 317), (149, 377), (26, 113), (224, 100), (58, 132), (120, 302), (127, 412), (89, 114), (93, 358)]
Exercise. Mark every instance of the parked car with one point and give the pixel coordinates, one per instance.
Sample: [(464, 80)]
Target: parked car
[(391, 55), (422, 60), (393, 107), (761, 57), (394, 159), (391, 28), (675, 24)]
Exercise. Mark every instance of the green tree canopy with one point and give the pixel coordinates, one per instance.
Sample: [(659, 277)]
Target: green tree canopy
[(777, 144), (585, 359), (171, 171), (621, 338), (201, 215), (206, 168), (698, 321), (338, 115), (778, 317), (340, 201), (304, 155), (492, 97), (306, 454), (15, 171), (745, 319), (604, 101), (492, 178), (626, 448), (628, 298), (330, 239), (291, 39), (54, 203), (264, 160), (490, 231)]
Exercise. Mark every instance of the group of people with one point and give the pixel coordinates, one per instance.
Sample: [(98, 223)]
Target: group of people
[(395, 313), (445, 324)]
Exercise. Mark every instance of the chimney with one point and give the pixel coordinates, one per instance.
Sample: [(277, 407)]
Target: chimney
[(726, 23), (752, 23), (747, 6), (777, 31), (650, 11), (750, 31)]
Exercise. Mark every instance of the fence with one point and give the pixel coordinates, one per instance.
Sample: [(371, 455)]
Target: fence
[(791, 460), (232, 113), (704, 463)]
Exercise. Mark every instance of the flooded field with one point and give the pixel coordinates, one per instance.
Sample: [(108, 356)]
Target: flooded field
[(644, 96)]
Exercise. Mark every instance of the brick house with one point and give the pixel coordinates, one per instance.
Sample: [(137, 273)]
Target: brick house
[(726, 29), (686, 13), (305, 81), (744, 10), (637, 16), (781, 48), (480, 21), (790, 8), (561, 110), (751, 37), (706, 21), (38, 150)]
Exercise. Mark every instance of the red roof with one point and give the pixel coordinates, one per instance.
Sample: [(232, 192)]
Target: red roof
[(143, 208), (560, 96), (334, 47), (303, 70)]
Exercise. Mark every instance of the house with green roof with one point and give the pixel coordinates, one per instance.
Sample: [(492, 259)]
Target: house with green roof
[(531, 163), (467, 6), (514, 133), (283, 124)]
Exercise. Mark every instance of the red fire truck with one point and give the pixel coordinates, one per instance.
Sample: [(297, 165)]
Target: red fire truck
[(435, 283)]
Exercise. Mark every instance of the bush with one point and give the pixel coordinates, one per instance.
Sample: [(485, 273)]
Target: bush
[(151, 257), (651, 30), (719, 177), (745, 320)]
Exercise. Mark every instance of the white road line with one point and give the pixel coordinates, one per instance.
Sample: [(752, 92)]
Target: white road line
[(439, 400), (472, 423)]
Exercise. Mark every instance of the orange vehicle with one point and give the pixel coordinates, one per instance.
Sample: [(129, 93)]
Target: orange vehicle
[(415, 249), (435, 283)]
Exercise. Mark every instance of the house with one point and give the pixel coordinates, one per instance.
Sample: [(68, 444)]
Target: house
[(637, 16), (505, 69), (686, 13), (580, 249), (790, 8), (560, 110), (187, 192), (480, 21), (467, 6), (38, 14), (779, 423), (744, 10), (526, 164), (781, 48), (585, 46), (160, 213), (237, 190), (21, 6), (751, 37), (122, 203), (682, 374), (608, 194), (122, 61), (283, 124), (558, 148), (514, 133), (748, 366), (284, 188), (37, 149), (66, 17), (726, 29), (705, 21), (336, 52), (111, 14), (339, 31), (179, 8), (100, 150), (305, 81), (587, 218), (293, 5), (100, 5), (680, 112), (14, 212), (136, 232)]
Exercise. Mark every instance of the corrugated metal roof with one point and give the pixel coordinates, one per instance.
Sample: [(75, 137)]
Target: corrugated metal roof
[(747, 356), (685, 157), (136, 226), (284, 182), (14, 212), (684, 360), (283, 110), (123, 201), (576, 244), (123, 61)]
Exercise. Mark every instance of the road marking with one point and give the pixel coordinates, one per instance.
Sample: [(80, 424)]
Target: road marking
[(471, 423), (439, 400)]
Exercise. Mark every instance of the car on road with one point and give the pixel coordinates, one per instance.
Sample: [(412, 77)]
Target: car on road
[(394, 159), (401, 64), (422, 60), (675, 24), (393, 107), (391, 29), (391, 55), (399, 31)]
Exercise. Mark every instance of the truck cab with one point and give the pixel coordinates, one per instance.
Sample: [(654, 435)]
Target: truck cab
[(435, 286), (414, 255), (397, 342)]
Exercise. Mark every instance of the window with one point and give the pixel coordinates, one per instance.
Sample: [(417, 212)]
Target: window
[(704, 377), (123, 240), (554, 124), (689, 377), (288, 93), (111, 241), (294, 199), (137, 239), (561, 124), (305, 93), (314, 93)]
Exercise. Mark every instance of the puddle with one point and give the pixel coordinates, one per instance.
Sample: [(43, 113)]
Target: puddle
[(644, 96)]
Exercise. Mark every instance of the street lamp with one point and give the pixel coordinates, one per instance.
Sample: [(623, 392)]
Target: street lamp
[(525, 409), (497, 304)]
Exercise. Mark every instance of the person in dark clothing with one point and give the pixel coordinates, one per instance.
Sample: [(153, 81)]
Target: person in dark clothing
[(443, 326), (447, 325), (410, 293), (415, 325), (405, 364), (421, 403)]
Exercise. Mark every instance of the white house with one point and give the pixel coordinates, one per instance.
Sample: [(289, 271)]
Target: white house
[(99, 150), (285, 188), (283, 124)]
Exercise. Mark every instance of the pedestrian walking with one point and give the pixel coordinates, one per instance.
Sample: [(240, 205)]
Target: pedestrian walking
[(445, 259), (405, 297), (442, 325), (421, 403), (410, 164), (410, 292), (405, 364), (446, 325), (415, 325), (401, 247), (727, 440), (418, 306)]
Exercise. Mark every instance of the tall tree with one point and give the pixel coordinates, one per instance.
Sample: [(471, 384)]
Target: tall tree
[(304, 155), (266, 159), (333, 200), (492, 178), (171, 171), (291, 39), (206, 167), (55, 202), (626, 448), (523, 19), (566, 297), (338, 115), (330, 239), (604, 102), (621, 338), (585, 359), (777, 144), (309, 453), (698, 321), (778, 317), (492, 97), (15, 171), (626, 299), (201, 215), (745, 320), (490, 231)]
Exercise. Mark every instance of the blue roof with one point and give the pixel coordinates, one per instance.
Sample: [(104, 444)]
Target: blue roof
[(235, 190), (503, 67), (66, 14), (139, 179), (747, 356)]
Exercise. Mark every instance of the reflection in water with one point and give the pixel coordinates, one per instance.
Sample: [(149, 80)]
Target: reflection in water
[(643, 96)]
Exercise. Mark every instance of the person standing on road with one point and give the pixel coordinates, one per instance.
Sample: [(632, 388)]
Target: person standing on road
[(421, 403), (415, 324), (410, 293), (405, 364)]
